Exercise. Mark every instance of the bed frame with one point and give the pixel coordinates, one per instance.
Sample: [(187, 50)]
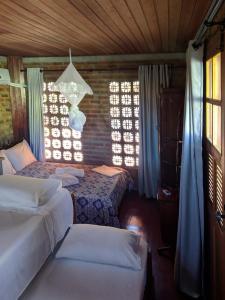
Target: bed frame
[(9, 145)]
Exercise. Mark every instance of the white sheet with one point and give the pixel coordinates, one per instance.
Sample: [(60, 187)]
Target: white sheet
[(70, 279), (57, 213), (27, 237), (24, 247), (21, 191)]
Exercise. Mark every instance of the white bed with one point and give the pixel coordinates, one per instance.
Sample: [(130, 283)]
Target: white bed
[(68, 279), (27, 237), (58, 215)]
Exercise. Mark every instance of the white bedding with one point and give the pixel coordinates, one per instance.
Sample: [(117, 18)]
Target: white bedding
[(57, 213), (27, 237), (26, 192), (24, 247), (70, 279)]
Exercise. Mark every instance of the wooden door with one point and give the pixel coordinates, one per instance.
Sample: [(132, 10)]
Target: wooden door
[(215, 175), (171, 131)]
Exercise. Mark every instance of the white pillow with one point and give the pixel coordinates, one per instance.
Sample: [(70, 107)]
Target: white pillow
[(7, 167), (101, 244), (20, 155), (19, 191)]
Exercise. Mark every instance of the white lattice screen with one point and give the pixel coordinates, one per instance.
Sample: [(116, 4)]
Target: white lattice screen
[(61, 143), (219, 192), (124, 113)]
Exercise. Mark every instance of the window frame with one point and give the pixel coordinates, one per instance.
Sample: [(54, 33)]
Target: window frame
[(213, 159), (214, 102)]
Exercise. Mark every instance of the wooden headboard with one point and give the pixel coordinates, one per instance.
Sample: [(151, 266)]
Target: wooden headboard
[(10, 144)]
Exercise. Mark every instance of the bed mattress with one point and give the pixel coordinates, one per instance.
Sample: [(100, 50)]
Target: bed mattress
[(70, 279), (27, 237), (57, 214), (97, 197), (24, 247)]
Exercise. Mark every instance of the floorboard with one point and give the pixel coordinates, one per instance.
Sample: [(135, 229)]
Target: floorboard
[(143, 214)]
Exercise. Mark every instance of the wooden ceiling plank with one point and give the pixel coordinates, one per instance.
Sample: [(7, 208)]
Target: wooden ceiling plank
[(112, 13), (152, 20), (121, 8), (18, 49), (162, 8), (187, 9), (139, 17), (30, 39), (95, 14), (13, 39), (28, 34), (196, 18), (106, 18), (124, 12), (64, 18), (83, 22), (45, 26), (27, 41), (98, 27), (24, 27), (174, 20), (61, 33)]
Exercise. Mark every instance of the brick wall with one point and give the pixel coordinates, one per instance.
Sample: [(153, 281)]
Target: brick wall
[(96, 137), (6, 130)]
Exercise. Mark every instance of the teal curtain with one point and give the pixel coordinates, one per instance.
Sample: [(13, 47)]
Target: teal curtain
[(190, 237), (152, 79), (36, 129)]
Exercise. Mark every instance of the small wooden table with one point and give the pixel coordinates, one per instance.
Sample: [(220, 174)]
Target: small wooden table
[(168, 208)]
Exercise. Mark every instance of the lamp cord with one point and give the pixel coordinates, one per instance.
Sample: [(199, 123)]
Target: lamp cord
[(70, 55)]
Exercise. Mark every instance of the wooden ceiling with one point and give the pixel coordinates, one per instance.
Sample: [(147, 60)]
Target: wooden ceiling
[(98, 27)]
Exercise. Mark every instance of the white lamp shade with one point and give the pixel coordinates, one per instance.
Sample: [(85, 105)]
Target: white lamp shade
[(72, 86)]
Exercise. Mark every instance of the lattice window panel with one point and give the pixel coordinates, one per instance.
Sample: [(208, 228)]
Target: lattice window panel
[(124, 114), (219, 192), (61, 142), (210, 178)]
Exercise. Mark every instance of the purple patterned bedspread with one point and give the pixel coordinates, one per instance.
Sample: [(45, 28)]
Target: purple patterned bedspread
[(97, 196)]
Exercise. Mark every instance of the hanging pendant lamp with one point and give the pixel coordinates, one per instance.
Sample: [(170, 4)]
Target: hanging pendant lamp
[(73, 87)]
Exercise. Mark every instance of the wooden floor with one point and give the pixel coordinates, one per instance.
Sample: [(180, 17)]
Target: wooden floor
[(136, 211)]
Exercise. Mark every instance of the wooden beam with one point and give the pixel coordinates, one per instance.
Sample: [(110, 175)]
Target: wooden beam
[(108, 58), (18, 99)]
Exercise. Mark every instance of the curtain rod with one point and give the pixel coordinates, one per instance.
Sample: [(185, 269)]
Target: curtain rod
[(200, 35)]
